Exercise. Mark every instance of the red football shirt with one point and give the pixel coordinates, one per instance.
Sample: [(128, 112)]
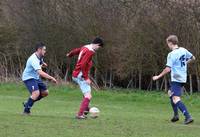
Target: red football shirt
[(84, 62)]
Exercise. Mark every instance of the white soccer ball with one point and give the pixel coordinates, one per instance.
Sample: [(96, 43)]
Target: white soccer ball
[(94, 112)]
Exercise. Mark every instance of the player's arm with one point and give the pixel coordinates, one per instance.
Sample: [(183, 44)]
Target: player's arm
[(191, 60), (45, 75), (73, 52), (164, 72), (36, 65), (167, 69), (189, 57), (44, 65)]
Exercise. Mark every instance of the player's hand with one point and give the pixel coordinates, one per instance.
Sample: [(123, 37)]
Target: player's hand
[(88, 81), (155, 78), (54, 80), (67, 54), (44, 65)]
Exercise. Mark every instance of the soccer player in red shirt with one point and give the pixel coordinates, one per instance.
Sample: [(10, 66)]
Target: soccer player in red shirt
[(80, 73)]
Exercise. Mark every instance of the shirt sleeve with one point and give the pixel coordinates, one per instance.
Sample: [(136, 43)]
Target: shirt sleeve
[(169, 60), (36, 64), (188, 55), (74, 52)]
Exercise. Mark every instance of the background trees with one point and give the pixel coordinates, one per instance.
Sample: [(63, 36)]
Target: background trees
[(134, 33)]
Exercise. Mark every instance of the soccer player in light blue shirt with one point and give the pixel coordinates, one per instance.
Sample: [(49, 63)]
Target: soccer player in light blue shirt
[(177, 61), (31, 77)]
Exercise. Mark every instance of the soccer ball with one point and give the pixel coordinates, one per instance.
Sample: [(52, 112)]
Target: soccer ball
[(94, 112)]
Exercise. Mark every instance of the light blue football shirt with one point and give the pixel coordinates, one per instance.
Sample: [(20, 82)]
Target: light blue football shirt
[(177, 61), (32, 65)]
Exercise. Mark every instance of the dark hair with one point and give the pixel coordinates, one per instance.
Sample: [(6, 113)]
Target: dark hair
[(99, 41), (173, 39), (39, 45)]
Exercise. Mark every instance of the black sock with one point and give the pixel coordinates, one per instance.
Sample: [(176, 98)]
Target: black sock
[(183, 109), (174, 107), (28, 105), (39, 98)]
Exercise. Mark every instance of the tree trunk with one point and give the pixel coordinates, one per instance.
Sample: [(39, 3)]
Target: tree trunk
[(162, 83), (166, 83), (95, 75), (135, 84), (140, 80), (150, 85), (198, 81), (66, 75), (105, 80), (191, 88), (5, 66), (157, 85), (129, 83), (110, 79)]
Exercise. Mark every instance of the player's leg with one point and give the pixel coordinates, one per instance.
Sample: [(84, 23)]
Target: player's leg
[(32, 86), (183, 109), (44, 93), (43, 90), (88, 97), (174, 107), (87, 109), (86, 90), (177, 89)]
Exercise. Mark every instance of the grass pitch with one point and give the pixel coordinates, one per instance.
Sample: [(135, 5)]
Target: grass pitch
[(128, 114)]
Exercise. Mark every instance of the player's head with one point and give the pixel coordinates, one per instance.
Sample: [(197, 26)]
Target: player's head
[(40, 49), (97, 43), (172, 40)]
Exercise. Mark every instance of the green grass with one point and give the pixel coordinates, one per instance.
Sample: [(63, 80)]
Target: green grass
[(136, 114)]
